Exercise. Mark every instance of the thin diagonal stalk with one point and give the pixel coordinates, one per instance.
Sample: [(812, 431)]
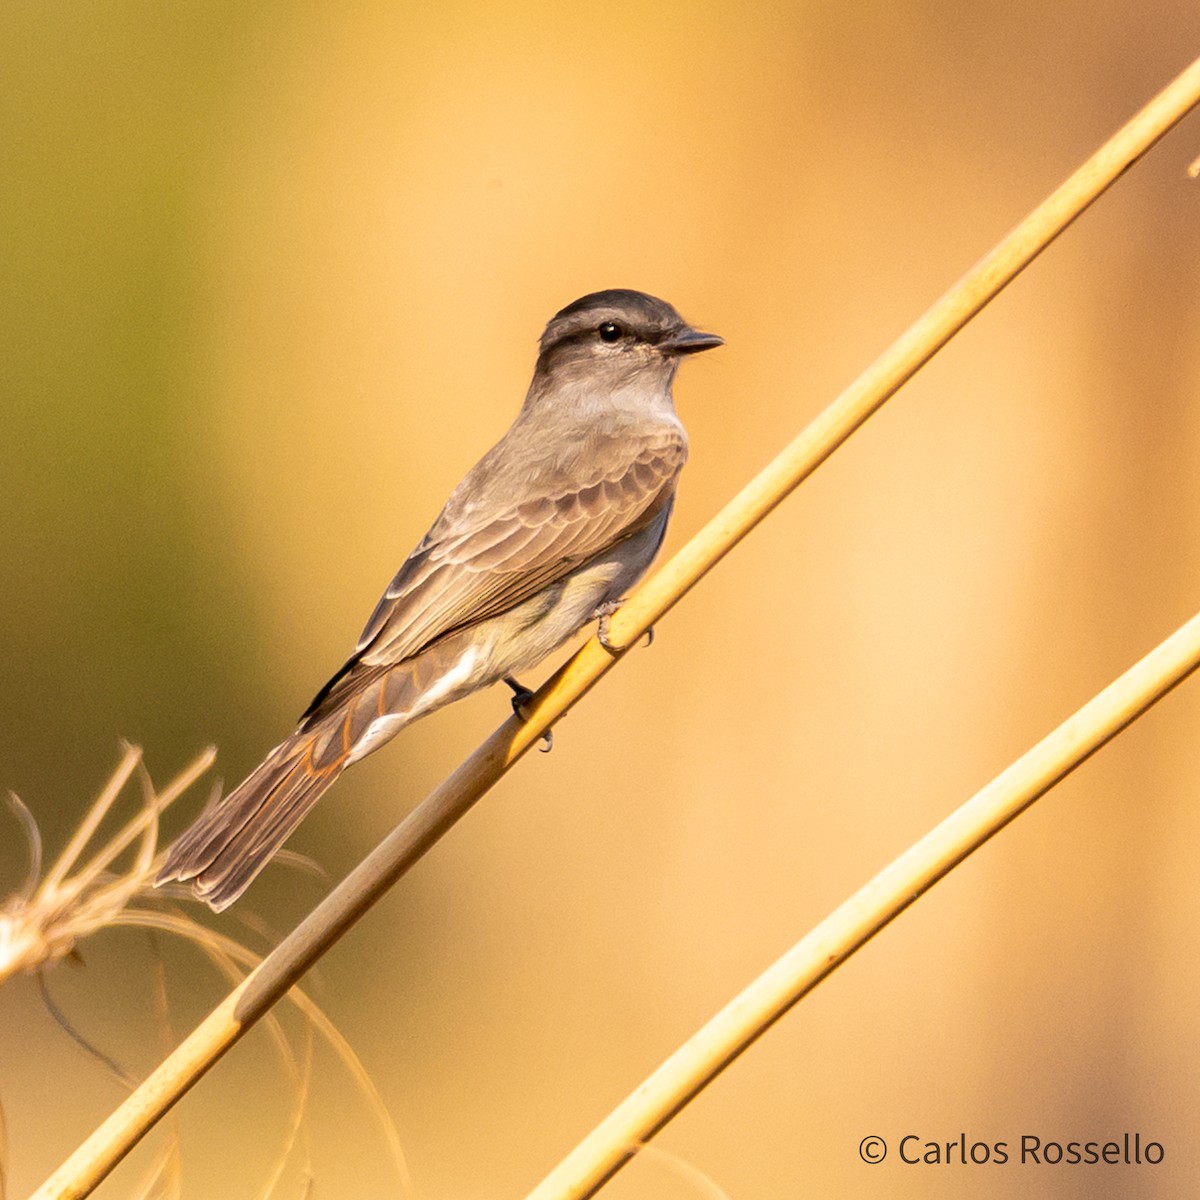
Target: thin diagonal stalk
[(121, 887), (145, 823), (80, 1174), (96, 814), (848, 928)]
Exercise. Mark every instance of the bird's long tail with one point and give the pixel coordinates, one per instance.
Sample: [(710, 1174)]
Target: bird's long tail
[(360, 709), (234, 839)]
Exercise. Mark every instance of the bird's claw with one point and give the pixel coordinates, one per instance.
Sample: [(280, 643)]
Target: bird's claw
[(605, 612), (521, 697), (602, 636)]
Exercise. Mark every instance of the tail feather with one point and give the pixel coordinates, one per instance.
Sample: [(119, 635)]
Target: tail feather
[(225, 849), (235, 838)]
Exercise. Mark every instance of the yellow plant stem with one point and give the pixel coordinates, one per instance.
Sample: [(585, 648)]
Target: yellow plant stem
[(695, 1064), (93, 1160)]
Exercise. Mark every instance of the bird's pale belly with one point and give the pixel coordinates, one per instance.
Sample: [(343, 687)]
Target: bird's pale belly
[(518, 639), (528, 633)]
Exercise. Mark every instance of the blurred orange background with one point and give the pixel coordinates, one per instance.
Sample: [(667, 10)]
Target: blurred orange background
[(270, 280)]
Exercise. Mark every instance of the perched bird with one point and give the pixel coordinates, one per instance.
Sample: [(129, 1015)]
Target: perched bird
[(546, 532)]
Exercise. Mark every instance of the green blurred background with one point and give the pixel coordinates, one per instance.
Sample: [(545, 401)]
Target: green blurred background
[(271, 278)]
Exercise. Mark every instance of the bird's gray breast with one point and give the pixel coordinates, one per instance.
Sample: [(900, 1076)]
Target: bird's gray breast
[(526, 634)]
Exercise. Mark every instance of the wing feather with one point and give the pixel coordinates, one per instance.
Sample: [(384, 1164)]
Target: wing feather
[(474, 565)]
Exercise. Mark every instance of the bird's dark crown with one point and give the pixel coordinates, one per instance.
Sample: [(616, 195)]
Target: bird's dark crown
[(644, 316)]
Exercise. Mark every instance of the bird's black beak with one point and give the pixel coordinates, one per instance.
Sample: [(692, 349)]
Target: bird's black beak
[(689, 341)]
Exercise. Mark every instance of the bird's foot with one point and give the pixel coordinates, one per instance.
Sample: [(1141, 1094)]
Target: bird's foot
[(605, 612), (521, 697)]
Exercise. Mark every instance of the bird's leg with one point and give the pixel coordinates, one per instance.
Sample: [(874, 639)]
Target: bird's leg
[(521, 696), (604, 612)]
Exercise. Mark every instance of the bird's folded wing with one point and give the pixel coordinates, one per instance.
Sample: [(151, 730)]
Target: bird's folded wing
[(468, 570)]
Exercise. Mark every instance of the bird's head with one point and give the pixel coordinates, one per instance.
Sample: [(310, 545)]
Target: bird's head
[(614, 340)]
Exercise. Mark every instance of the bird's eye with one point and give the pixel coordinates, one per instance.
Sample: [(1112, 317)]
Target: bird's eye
[(610, 331)]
